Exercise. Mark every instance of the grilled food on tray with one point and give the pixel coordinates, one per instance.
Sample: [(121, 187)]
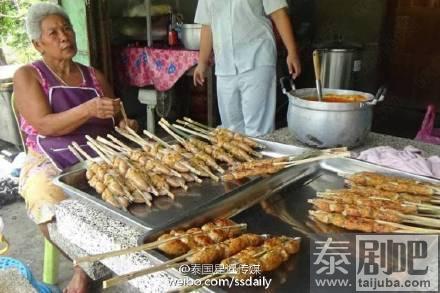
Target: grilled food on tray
[(380, 203), (136, 175), (394, 184), (219, 241)]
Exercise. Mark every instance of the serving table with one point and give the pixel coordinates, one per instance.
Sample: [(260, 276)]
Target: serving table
[(92, 231)]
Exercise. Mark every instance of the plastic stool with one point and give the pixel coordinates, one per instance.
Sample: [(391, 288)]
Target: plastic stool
[(51, 261), (12, 263)]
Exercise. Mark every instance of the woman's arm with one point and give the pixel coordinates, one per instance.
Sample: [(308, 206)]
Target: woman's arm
[(33, 105), (282, 22)]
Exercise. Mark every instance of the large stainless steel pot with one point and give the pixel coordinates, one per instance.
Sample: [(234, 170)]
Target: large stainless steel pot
[(340, 64), (324, 124)]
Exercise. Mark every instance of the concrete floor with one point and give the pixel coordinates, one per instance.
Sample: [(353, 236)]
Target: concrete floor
[(26, 244)]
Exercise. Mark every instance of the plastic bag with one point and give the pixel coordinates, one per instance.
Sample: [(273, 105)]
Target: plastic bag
[(427, 132)]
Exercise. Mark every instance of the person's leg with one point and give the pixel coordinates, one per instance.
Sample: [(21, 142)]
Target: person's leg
[(229, 103), (258, 91), (41, 196)]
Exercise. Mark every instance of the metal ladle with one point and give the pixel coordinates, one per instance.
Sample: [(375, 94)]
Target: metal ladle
[(317, 66)]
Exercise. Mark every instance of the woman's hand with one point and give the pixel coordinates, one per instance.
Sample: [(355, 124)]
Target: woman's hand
[(130, 123), (199, 74), (294, 65), (103, 107)]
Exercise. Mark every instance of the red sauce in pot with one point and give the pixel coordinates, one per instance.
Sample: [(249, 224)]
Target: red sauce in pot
[(338, 98)]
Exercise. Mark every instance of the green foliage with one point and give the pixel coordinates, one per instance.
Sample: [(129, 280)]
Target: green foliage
[(13, 38)]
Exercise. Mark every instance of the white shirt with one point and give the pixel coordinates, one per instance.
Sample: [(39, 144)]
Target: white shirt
[(242, 32)]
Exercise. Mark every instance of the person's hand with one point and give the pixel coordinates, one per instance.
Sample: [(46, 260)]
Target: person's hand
[(103, 107), (294, 65), (199, 74), (130, 123)]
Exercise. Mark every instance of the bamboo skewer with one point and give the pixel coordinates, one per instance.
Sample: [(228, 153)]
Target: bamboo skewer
[(258, 254), (127, 277), (149, 246), (194, 149), (211, 139), (247, 140), (130, 137), (119, 142), (82, 152), (400, 205), (193, 127), (157, 139), (111, 144), (124, 114), (103, 148), (100, 154), (198, 124), (309, 160), (385, 214), (206, 170), (168, 146), (214, 140), (409, 228), (167, 265), (75, 153), (329, 218)]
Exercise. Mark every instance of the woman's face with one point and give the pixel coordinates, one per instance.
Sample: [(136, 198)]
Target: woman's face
[(57, 38)]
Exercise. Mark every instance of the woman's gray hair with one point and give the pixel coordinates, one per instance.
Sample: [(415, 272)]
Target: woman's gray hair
[(35, 15)]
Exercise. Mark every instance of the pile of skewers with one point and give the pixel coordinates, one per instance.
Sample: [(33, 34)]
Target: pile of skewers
[(378, 203), (221, 241), (124, 175)]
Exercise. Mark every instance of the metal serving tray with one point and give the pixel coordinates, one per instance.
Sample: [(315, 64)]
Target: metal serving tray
[(166, 212), (285, 212)]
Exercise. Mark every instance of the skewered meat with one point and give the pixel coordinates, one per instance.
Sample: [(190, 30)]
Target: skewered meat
[(357, 211), (351, 223), (210, 235), (236, 136), (268, 256), (215, 252), (394, 184), (257, 163), (235, 175), (215, 151), (354, 199), (370, 191)]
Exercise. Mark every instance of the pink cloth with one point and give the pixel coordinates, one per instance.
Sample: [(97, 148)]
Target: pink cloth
[(409, 159), (143, 66)]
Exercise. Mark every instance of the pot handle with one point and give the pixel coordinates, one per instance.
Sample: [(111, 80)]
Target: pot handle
[(287, 84), (379, 97)]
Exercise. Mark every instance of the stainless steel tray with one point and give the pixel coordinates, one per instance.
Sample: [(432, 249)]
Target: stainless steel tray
[(285, 212), (166, 212)]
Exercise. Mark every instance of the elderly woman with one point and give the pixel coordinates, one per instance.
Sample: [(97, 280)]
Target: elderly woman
[(59, 101)]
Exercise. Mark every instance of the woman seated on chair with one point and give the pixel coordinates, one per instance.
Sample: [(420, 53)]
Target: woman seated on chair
[(59, 101)]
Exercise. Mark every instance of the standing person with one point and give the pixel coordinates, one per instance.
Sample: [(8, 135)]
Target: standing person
[(241, 34), (59, 101)]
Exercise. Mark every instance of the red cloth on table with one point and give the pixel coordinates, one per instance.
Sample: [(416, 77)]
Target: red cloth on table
[(143, 66)]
